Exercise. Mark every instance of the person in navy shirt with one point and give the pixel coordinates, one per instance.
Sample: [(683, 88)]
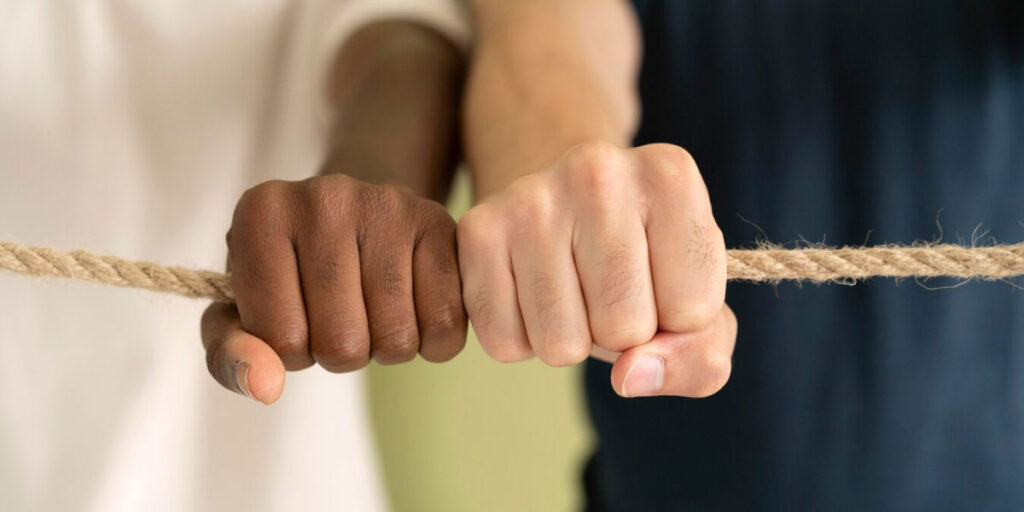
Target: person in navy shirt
[(879, 122)]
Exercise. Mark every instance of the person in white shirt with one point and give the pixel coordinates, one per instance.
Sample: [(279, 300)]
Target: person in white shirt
[(133, 128)]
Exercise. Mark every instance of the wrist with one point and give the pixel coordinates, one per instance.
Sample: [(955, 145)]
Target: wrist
[(396, 87), (495, 176), (391, 167)]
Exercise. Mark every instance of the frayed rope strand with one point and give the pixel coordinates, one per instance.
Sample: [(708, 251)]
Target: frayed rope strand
[(756, 265)]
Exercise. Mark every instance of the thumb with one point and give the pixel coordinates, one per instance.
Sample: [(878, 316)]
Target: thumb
[(238, 360), (694, 365)]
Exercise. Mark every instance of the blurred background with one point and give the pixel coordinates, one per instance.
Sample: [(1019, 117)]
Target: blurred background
[(474, 434)]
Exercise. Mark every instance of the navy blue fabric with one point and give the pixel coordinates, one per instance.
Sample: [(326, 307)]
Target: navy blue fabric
[(845, 122)]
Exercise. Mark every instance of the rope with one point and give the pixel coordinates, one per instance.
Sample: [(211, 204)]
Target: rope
[(756, 265), (96, 268), (819, 264)]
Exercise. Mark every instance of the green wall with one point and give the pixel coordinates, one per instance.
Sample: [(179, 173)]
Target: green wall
[(477, 435)]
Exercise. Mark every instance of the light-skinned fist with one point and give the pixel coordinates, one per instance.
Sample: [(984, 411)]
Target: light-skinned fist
[(612, 252)]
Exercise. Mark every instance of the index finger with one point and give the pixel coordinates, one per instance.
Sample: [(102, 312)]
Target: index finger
[(265, 274)]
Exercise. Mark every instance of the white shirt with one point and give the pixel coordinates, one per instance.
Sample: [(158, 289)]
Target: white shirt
[(131, 127)]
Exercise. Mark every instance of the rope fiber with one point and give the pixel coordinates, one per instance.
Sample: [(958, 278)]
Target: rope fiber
[(763, 265)]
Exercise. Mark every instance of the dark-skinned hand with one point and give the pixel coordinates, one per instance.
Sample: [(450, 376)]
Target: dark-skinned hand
[(336, 272)]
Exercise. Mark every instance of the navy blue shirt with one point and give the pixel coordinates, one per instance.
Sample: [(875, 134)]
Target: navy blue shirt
[(841, 122)]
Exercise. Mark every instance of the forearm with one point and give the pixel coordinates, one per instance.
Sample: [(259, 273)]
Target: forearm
[(396, 88), (546, 75)]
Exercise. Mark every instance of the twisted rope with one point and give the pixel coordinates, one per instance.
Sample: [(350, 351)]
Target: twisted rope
[(111, 270), (819, 264), (757, 265)]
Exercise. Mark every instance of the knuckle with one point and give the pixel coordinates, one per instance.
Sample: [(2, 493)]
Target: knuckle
[(563, 352), (537, 215), (396, 346), (290, 338), (382, 202), (325, 198), (268, 192), (443, 352), (475, 226), (439, 232), (398, 197), (691, 316), (531, 201), (433, 217), (625, 335), (264, 205), (506, 351), (385, 210), (595, 172), (592, 156), (678, 157), (445, 322), (446, 333), (475, 216), (346, 353), (670, 161)]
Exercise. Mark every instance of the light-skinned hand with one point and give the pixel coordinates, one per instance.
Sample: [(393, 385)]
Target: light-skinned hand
[(612, 252)]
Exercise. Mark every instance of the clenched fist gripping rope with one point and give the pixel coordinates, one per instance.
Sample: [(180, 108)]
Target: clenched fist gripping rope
[(757, 265)]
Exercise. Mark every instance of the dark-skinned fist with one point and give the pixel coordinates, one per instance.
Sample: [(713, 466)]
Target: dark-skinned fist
[(336, 272)]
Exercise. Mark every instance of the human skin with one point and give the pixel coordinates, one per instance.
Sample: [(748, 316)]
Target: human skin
[(579, 244), (360, 262)]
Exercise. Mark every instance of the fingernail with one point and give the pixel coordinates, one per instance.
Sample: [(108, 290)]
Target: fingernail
[(645, 377), (242, 378)]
